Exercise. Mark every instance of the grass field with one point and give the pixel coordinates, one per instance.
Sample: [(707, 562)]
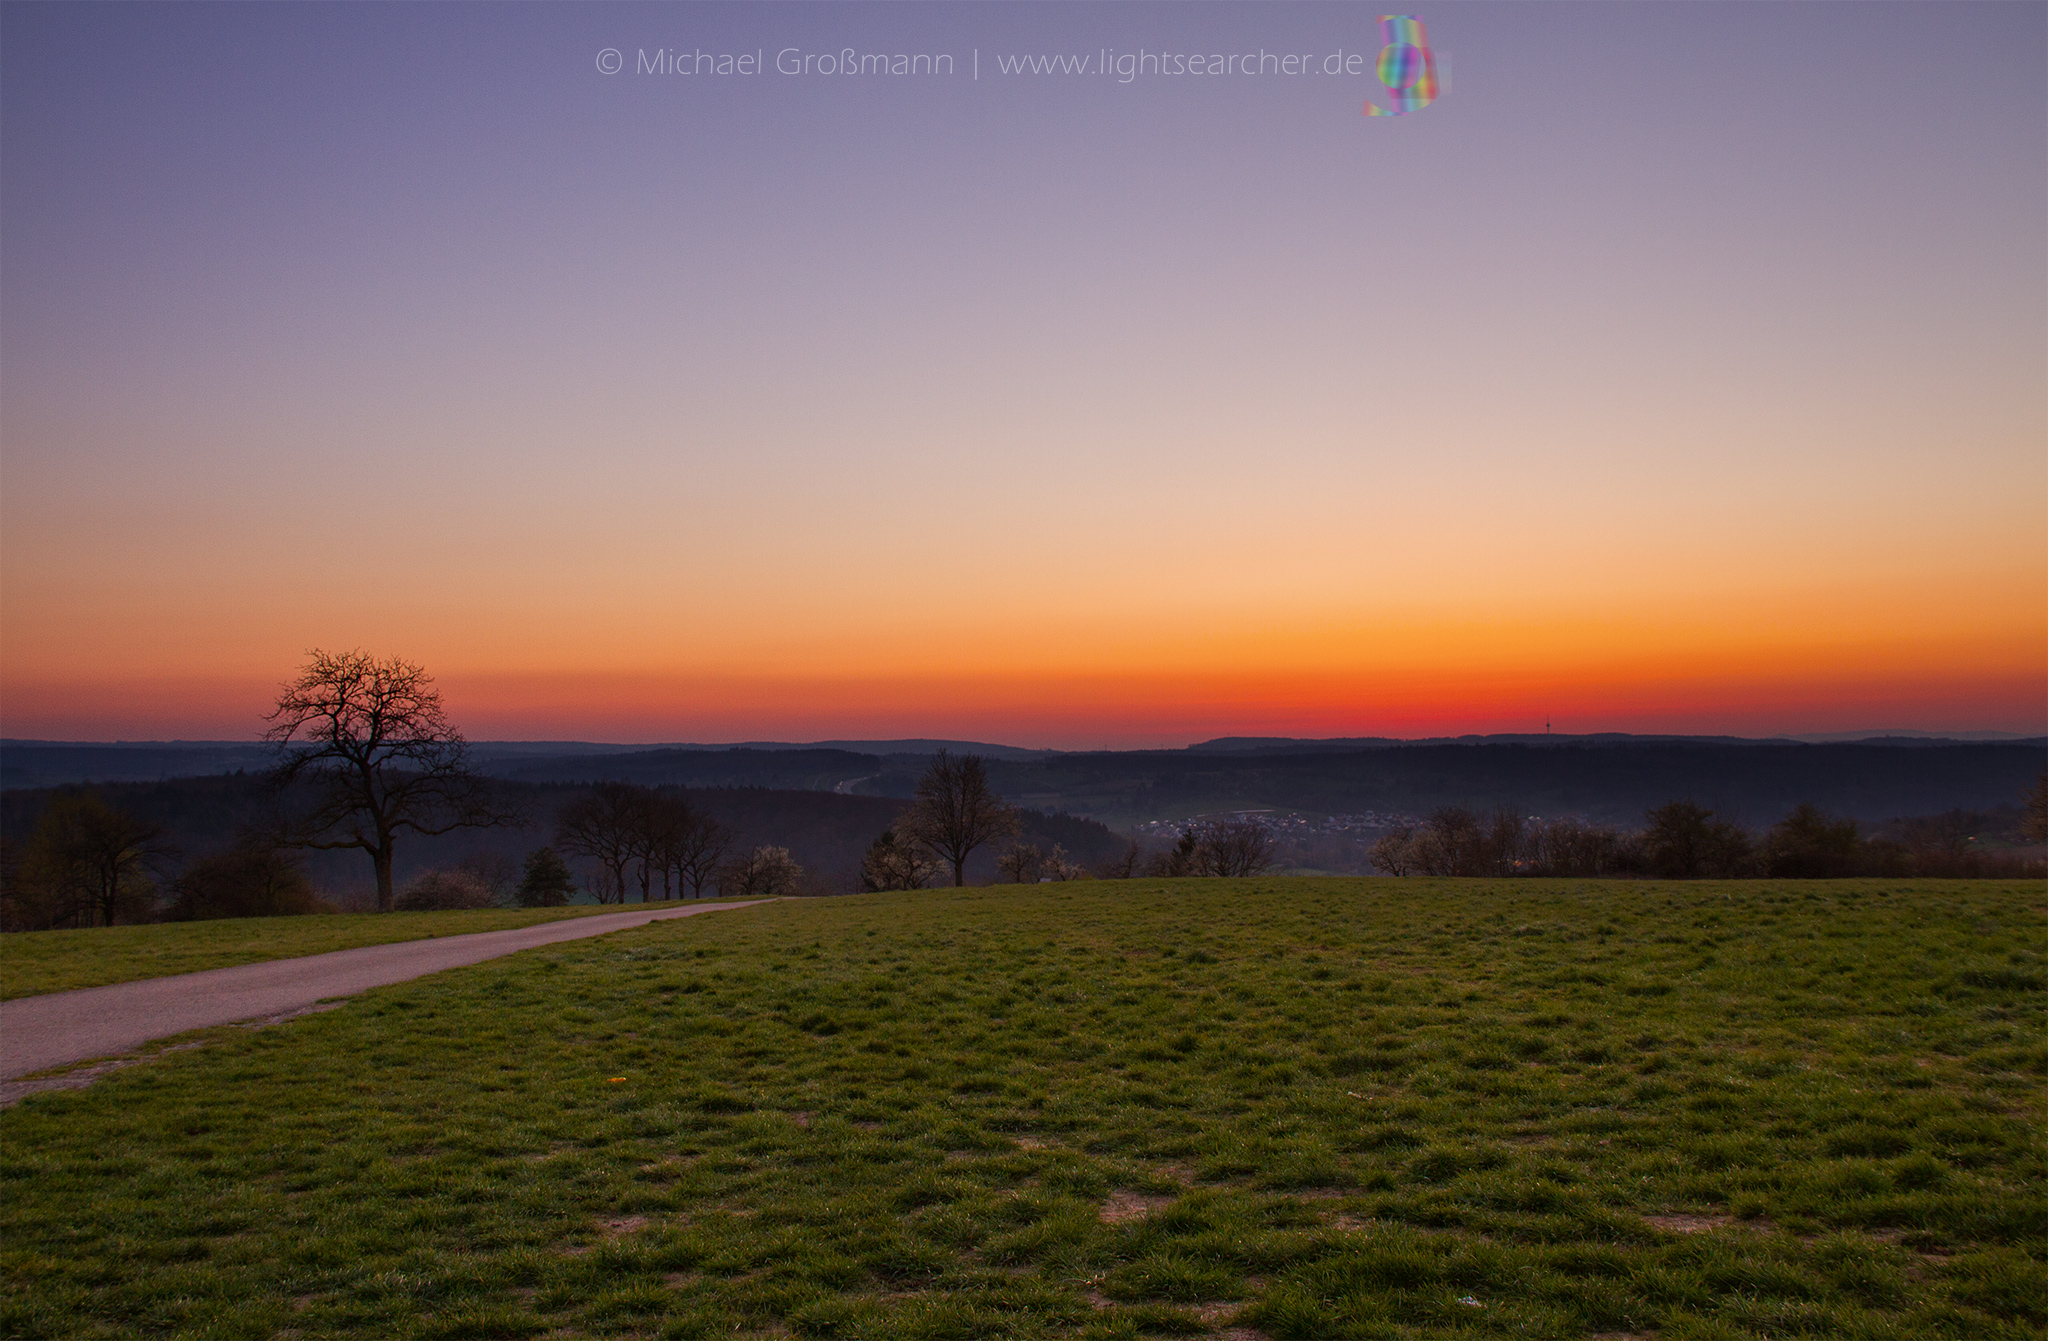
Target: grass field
[(1317, 1108), (34, 962)]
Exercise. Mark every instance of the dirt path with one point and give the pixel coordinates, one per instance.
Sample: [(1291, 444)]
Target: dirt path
[(60, 1028)]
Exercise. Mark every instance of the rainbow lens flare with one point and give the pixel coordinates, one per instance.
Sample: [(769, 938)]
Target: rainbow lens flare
[(1407, 66)]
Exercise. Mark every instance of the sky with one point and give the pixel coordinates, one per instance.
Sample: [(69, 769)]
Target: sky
[(1679, 368)]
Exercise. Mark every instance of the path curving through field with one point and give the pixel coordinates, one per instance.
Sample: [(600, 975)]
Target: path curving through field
[(60, 1028)]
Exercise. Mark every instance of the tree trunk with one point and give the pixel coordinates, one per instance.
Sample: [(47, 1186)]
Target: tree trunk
[(959, 870), (381, 857)]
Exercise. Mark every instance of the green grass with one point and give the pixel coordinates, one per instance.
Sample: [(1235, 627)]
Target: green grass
[(1331, 1108), (34, 962)]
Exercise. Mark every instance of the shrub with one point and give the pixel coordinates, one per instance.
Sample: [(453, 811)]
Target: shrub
[(437, 891), (248, 880)]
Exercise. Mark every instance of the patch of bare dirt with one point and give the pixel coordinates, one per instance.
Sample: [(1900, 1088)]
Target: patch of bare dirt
[(801, 1119), (1689, 1224), (631, 1224), (1124, 1207)]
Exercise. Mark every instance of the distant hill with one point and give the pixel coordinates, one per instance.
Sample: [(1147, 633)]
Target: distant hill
[(1609, 777), (1751, 783), (1352, 744), (50, 763), (801, 770), (53, 763)]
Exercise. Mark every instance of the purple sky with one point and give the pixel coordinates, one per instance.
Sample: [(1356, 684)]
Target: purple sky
[(1697, 350)]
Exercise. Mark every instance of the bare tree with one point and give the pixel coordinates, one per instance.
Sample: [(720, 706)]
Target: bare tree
[(956, 811), (695, 851), (1021, 862), (664, 818), (91, 863), (1568, 846), (370, 739), (1237, 847), (605, 825), (2034, 823), (1394, 851), (1126, 863)]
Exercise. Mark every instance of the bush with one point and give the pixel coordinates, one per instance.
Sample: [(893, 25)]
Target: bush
[(893, 864), (248, 880), (439, 891)]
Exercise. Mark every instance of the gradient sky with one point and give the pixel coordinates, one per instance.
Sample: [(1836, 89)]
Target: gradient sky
[(1684, 367)]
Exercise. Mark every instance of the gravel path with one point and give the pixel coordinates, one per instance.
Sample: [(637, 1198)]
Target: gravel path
[(39, 1032)]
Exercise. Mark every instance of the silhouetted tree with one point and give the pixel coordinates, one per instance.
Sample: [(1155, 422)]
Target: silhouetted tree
[(253, 878), (1394, 851), (370, 739), (1571, 847), (607, 825), (1237, 847), (87, 863), (694, 848), (1126, 863), (1806, 844), (546, 881), (1685, 842), (955, 811)]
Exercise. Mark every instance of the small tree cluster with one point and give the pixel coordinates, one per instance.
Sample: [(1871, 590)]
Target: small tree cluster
[(1028, 864), (1236, 847), (85, 864), (634, 834), (1681, 840)]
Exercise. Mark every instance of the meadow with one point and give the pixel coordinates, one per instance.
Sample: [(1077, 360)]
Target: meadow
[(34, 962), (1261, 1108)]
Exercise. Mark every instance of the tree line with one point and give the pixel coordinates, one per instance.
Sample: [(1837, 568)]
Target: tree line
[(1681, 840)]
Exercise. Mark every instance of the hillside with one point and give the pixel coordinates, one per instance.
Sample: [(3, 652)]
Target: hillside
[(1754, 784)]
